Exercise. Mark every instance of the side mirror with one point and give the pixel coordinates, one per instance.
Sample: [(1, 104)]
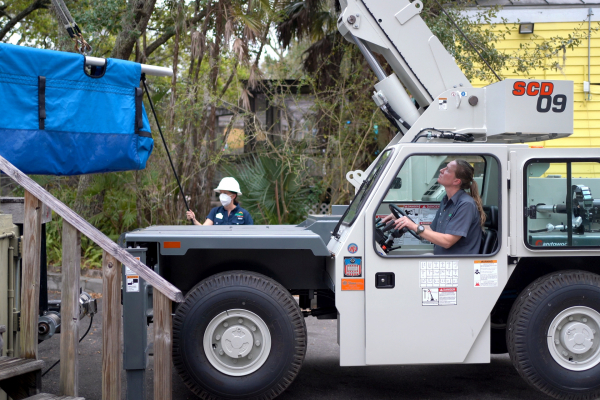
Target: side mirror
[(397, 183)]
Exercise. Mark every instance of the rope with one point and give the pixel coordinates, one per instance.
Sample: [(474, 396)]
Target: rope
[(63, 14), (164, 142)]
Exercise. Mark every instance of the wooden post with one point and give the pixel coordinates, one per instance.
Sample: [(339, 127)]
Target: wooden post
[(69, 333), (163, 346), (30, 293), (111, 327), (91, 232)]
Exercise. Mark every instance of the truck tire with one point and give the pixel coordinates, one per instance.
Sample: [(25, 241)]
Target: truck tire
[(238, 335), (553, 334)]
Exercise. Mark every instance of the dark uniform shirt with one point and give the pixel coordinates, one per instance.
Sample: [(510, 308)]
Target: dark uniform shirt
[(238, 216), (458, 216)]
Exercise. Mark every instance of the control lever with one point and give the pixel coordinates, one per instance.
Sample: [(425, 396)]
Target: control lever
[(389, 226)]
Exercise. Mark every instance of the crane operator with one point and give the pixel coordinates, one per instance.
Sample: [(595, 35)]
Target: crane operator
[(229, 213), (458, 225)]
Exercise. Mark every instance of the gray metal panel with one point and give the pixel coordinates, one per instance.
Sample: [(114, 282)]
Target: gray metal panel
[(322, 225), (231, 237)]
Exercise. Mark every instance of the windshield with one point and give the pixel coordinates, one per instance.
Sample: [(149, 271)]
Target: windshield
[(362, 194)]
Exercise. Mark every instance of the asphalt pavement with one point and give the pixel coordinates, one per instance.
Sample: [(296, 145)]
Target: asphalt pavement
[(321, 377)]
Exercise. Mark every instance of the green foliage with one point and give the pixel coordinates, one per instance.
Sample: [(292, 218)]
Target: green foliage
[(276, 191)]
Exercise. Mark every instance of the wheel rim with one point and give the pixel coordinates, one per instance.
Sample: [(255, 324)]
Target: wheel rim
[(237, 342), (572, 338)]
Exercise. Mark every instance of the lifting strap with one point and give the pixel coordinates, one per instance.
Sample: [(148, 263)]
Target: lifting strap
[(65, 18)]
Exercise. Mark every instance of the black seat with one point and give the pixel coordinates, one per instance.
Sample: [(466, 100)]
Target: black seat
[(489, 239)]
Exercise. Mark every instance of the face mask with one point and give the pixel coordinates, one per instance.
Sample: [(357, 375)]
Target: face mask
[(225, 199)]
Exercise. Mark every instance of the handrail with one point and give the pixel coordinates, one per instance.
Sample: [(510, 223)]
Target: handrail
[(151, 277)]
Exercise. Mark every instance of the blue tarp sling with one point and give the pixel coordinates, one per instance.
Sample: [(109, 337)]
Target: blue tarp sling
[(55, 119)]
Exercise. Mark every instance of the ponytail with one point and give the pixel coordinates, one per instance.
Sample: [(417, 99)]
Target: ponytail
[(465, 172), (474, 191)]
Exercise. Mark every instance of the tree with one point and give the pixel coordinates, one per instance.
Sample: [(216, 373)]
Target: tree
[(14, 16)]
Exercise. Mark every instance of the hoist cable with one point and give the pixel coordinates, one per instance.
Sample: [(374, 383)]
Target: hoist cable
[(84, 335), (467, 39), (65, 18), (164, 142)]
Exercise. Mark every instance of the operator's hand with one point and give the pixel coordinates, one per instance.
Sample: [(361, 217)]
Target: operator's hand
[(387, 219), (190, 215), (405, 222)]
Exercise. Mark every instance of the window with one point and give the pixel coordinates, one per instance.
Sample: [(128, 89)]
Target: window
[(363, 192), (561, 209), (416, 191)]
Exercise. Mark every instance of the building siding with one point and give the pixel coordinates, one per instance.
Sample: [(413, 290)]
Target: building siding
[(574, 66)]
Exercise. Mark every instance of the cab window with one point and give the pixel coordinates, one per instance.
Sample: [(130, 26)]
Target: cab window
[(363, 192), (417, 192), (562, 211)]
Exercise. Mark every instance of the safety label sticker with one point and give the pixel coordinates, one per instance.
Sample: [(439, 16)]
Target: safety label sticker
[(438, 273), (485, 273), (447, 296), (444, 296), (443, 103), (352, 266), (431, 297), (353, 284), (133, 283)]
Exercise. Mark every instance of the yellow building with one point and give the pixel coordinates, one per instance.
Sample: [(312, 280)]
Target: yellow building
[(549, 19)]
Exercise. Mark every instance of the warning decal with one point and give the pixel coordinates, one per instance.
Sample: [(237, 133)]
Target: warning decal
[(447, 296), (439, 296), (438, 273), (133, 283), (443, 103), (431, 297), (485, 273)]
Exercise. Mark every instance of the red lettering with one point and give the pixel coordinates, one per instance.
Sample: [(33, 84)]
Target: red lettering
[(533, 89), (519, 88), (547, 88)]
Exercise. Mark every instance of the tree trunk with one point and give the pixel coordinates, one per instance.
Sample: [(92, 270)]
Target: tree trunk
[(133, 24)]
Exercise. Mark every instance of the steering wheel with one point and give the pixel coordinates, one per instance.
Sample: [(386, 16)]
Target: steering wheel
[(398, 213)]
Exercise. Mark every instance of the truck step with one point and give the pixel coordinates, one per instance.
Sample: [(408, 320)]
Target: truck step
[(11, 367), (46, 396)]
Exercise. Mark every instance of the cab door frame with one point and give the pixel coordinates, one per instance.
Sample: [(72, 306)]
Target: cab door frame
[(401, 328)]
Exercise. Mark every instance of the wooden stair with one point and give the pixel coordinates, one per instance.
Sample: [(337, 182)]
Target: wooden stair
[(46, 396), (21, 378)]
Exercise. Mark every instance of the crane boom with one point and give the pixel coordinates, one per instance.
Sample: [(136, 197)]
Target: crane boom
[(509, 111), (395, 30)]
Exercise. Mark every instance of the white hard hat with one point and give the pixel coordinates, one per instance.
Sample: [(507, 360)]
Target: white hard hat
[(229, 184)]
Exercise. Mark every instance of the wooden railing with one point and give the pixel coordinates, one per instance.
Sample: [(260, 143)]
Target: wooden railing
[(113, 257)]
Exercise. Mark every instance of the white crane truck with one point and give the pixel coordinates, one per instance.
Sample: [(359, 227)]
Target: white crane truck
[(533, 290)]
